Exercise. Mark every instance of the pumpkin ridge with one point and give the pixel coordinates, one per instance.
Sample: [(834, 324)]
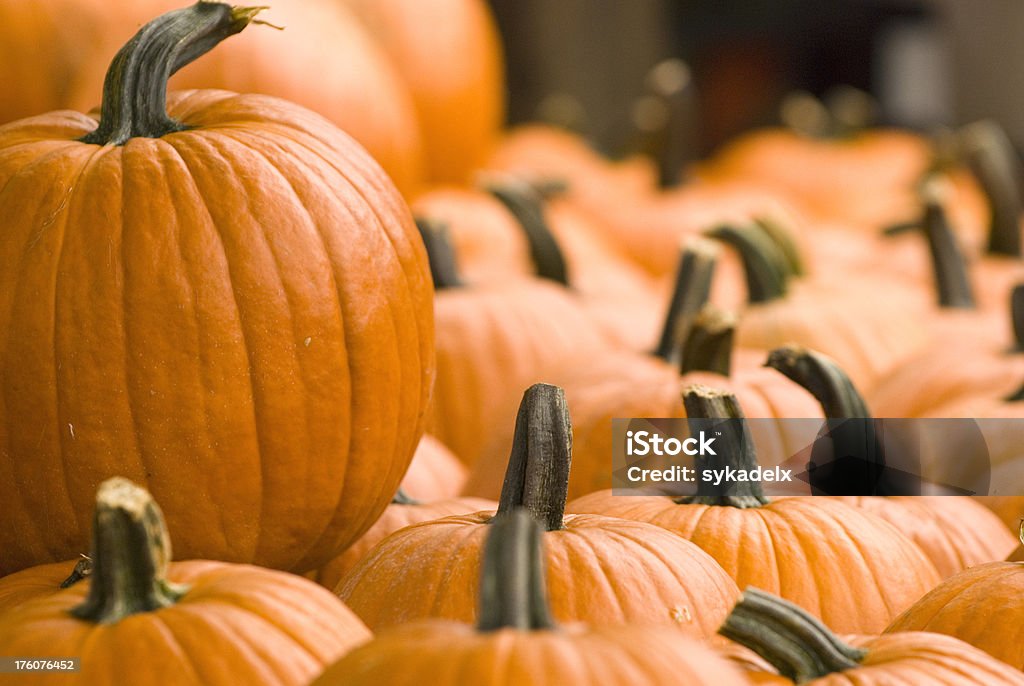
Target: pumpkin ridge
[(250, 142), (63, 210), (203, 145), (877, 583)]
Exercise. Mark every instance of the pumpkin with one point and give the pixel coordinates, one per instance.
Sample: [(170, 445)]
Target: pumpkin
[(810, 542), (402, 512), (980, 605), (449, 55), (212, 325), (434, 473), (804, 651), (516, 639), (162, 622), (492, 341), (600, 570), (954, 532)]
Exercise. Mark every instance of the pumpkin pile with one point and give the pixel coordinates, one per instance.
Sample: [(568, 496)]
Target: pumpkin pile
[(298, 302)]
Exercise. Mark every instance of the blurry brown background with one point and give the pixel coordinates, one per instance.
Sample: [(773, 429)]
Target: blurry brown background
[(927, 62)]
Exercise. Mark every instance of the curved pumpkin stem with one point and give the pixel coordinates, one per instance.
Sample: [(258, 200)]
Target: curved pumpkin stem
[(689, 295), (993, 161), (948, 264), (527, 205), (440, 254), (784, 241), (1017, 317), (512, 590), (764, 265), (135, 88), (709, 343), (130, 554), (853, 456), (537, 477), (734, 448), (823, 377), (788, 637)]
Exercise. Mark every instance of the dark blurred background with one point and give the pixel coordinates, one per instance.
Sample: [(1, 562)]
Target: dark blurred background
[(582, 63)]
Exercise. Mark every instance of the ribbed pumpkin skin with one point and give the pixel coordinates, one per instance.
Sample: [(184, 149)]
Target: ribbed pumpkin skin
[(599, 571), (237, 316), (456, 654), (449, 55), (237, 625), (955, 532), (396, 516), (804, 549), (981, 606)]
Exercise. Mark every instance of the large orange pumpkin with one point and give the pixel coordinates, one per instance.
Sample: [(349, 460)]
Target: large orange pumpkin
[(140, 618), (227, 301), (449, 55), (516, 640), (796, 547), (601, 570)]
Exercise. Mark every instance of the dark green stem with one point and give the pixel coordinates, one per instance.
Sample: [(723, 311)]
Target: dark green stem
[(948, 265), (734, 448), (440, 254), (763, 263), (825, 380), (527, 205), (537, 477), (403, 498), (135, 90), (513, 594), (788, 637), (993, 160), (130, 554), (689, 295), (784, 241), (847, 458), (709, 343)]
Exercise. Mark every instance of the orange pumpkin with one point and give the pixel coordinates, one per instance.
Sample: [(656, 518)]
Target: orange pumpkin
[(804, 651), (449, 55), (981, 606), (140, 617), (212, 325), (402, 512), (516, 640), (600, 570), (810, 542)]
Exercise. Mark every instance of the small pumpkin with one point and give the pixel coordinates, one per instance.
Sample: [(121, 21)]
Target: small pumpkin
[(180, 623), (434, 473), (222, 321), (516, 639), (805, 651), (810, 542), (600, 570)]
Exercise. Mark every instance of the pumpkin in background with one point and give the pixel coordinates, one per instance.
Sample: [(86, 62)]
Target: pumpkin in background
[(981, 605), (211, 322), (324, 60), (600, 570), (434, 473), (492, 341), (402, 512), (811, 542), (449, 56), (804, 651), (517, 641), (181, 623)]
